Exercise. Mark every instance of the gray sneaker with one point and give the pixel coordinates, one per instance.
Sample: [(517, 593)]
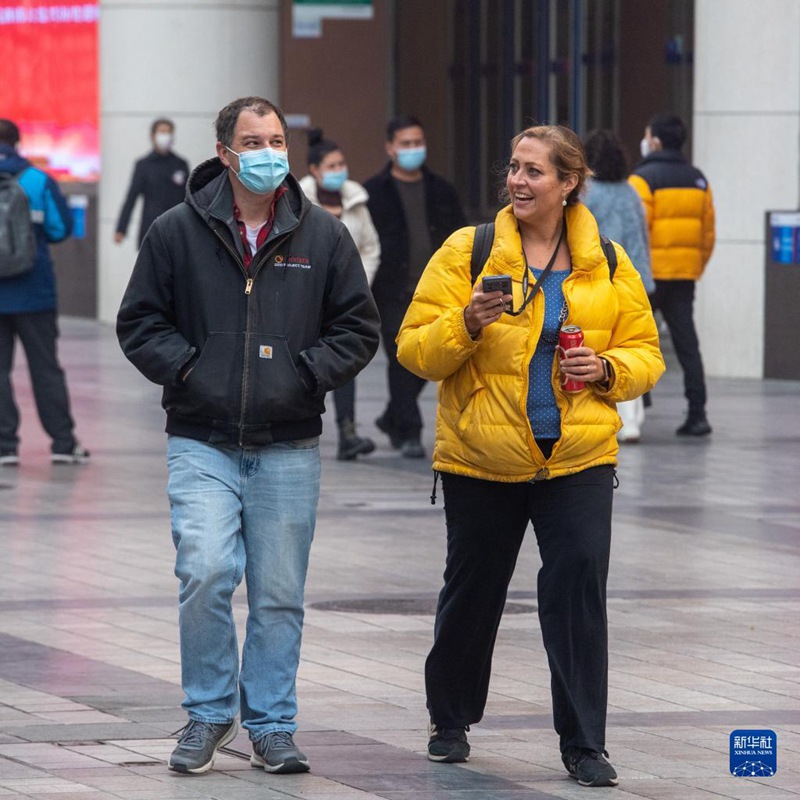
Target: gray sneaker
[(277, 752), (198, 744), (78, 455)]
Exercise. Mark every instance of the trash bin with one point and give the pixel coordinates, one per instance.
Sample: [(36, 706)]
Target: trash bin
[(782, 295), (75, 259)]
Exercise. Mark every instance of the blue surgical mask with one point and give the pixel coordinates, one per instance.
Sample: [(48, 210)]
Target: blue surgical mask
[(262, 171), (411, 158), (333, 181)]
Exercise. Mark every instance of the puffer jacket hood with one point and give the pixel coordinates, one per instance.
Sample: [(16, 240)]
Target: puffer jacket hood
[(482, 428)]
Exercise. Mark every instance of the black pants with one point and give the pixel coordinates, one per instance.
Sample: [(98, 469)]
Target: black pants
[(344, 399), (675, 299), (486, 522), (38, 332), (402, 411)]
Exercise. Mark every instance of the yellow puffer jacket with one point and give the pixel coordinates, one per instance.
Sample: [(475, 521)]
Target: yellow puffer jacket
[(482, 428), (680, 215)]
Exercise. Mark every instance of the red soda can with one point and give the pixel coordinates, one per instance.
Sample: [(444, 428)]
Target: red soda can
[(570, 336)]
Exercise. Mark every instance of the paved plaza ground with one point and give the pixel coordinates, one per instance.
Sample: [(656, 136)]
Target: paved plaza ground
[(704, 608)]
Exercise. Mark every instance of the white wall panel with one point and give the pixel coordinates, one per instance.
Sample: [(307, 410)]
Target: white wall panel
[(182, 59), (747, 141)]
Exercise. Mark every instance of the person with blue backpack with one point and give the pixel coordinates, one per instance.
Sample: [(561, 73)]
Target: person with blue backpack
[(30, 220)]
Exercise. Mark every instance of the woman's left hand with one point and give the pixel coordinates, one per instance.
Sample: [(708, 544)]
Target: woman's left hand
[(582, 364)]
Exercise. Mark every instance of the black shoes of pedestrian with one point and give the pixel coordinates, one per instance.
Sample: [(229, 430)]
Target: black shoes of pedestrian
[(694, 426), (412, 448), (351, 445), (447, 745), (589, 767)]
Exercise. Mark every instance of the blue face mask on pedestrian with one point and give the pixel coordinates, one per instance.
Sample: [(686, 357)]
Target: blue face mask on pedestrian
[(411, 158), (333, 181), (261, 171)]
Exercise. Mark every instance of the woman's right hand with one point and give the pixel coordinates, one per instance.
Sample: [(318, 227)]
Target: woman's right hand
[(484, 309)]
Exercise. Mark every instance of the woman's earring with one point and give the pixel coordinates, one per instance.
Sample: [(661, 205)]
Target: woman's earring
[(564, 201)]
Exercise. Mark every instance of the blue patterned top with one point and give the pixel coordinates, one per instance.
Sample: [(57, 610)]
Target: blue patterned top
[(543, 413)]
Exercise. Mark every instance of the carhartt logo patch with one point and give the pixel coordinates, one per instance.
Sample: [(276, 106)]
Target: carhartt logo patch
[(265, 351)]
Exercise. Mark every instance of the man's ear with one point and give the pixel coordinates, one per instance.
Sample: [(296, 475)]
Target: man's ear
[(389, 149), (223, 154)]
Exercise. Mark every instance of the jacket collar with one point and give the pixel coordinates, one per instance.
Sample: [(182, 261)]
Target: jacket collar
[(353, 193), (11, 161), (583, 240), (209, 193)]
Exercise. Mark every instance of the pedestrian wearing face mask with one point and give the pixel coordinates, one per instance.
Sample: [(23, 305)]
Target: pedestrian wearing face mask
[(328, 186), (679, 208), (414, 211), (525, 435), (159, 178), (247, 304)]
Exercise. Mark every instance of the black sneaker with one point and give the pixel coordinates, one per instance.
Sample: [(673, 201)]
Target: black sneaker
[(9, 458), (276, 752), (78, 455), (589, 767), (448, 745), (694, 426), (198, 744)]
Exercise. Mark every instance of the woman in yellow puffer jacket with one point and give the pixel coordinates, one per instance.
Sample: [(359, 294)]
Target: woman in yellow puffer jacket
[(514, 448)]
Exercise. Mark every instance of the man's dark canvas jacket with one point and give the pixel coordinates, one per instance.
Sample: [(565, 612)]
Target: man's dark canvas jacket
[(246, 357)]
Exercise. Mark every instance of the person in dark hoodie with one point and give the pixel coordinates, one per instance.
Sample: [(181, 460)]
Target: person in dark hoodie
[(28, 313), (159, 178), (247, 304)]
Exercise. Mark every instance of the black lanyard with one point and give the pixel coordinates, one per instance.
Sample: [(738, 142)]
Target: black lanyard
[(545, 273)]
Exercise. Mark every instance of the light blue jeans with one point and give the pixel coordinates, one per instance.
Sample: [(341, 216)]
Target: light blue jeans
[(235, 512)]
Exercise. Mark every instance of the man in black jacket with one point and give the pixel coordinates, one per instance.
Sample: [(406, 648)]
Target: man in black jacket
[(414, 211), (247, 304), (159, 177)]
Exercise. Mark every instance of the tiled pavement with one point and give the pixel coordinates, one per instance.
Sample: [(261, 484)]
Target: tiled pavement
[(704, 602)]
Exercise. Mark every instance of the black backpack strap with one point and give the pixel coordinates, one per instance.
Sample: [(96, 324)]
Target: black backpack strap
[(481, 247), (611, 255)]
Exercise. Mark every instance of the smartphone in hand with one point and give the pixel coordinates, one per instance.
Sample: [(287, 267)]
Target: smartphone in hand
[(497, 283)]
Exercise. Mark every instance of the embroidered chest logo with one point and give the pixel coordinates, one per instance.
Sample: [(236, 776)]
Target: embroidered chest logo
[(265, 351), (292, 262)]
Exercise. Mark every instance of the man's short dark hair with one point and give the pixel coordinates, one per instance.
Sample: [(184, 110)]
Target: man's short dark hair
[(161, 121), (401, 123), (227, 118), (9, 133), (669, 128)]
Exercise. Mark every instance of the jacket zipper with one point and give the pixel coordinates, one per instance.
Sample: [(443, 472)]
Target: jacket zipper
[(248, 288)]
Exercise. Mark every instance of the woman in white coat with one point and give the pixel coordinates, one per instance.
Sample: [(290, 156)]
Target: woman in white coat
[(327, 185)]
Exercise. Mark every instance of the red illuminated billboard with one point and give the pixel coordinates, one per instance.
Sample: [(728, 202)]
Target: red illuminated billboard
[(49, 86)]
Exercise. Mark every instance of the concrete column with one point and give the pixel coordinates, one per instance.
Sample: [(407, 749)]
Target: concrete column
[(746, 133), (182, 59)]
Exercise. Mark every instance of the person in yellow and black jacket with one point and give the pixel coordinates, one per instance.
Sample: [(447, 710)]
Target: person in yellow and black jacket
[(514, 448), (680, 216)]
